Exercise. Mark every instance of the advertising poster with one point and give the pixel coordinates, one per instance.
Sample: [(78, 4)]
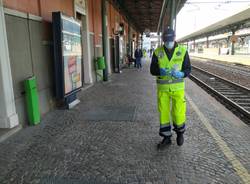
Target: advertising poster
[(72, 54)]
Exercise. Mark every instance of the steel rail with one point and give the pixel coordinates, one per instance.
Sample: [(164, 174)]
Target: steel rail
[(225, 98)]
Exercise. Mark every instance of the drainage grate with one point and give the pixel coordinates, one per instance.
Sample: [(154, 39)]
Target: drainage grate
[(110, 113)]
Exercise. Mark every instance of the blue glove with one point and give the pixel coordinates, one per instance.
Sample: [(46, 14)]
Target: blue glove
[(163, 72), (177, 74)]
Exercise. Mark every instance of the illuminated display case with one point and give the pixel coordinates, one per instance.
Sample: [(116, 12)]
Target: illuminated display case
[(67, 54)]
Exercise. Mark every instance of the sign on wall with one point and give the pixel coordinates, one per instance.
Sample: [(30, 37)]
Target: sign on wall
[(68, 55), (72, 54), (234, 38)]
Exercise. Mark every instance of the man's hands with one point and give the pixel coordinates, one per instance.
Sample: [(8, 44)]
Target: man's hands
[(177, 74), (173, 73), (165, 72)]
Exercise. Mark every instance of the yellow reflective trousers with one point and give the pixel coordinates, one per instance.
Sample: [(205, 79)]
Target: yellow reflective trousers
[(172, 106)]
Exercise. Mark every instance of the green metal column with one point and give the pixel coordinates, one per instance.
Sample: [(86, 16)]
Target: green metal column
[(173, 15), (129, 41), (162, 31), (104, 38)]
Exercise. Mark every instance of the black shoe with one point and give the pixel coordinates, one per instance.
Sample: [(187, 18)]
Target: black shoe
[(180, 139), (166, 141)]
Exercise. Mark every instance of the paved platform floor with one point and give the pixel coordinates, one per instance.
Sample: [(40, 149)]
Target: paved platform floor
[(89, 145), (239, 59)]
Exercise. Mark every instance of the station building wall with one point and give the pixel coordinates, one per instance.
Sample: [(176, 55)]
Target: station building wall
[(30, 42)]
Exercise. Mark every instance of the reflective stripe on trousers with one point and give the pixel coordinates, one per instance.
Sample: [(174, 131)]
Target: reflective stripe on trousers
[(180, 129), (165, 130)]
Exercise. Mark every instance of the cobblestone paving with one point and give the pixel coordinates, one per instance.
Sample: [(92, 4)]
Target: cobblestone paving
[(230, 128), (68, 148)]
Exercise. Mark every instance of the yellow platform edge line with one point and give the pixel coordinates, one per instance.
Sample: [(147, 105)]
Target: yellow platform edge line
[(238, 167)]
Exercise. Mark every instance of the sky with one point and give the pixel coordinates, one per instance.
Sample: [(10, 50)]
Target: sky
[(201, 13)]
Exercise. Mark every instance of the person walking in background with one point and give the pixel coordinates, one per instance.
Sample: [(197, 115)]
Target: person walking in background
[(138, 56), (171, 64)]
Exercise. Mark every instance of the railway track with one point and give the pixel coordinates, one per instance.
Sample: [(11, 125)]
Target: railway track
[(233, 96), (229, 67)]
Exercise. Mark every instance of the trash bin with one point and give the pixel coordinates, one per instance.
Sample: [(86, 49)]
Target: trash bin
[(32, 101), (100, 63)]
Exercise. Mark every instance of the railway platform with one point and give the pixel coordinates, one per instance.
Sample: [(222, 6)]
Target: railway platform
[(236, 59), (111, 137)]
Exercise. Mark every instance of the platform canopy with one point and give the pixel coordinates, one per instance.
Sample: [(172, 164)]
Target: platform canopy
[(145, 14), (233, 23)]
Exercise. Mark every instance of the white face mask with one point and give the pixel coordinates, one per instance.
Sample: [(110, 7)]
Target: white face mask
[(169, 45)]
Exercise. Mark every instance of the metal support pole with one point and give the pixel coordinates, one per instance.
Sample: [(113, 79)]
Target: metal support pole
[(173, 15), (162, 27), (207, 42), (104, 39), (228, 41), (194, 45), (232, 47), (129, 41), (161, 42), (159, 39), (141, 40)]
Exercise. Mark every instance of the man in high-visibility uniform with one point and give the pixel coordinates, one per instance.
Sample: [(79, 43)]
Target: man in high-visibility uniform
[(171, 64)]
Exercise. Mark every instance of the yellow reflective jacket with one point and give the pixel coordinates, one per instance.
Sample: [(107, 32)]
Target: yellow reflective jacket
[(169, 83)]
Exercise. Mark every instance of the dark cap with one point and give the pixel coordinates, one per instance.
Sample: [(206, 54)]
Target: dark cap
[(168, 35)]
